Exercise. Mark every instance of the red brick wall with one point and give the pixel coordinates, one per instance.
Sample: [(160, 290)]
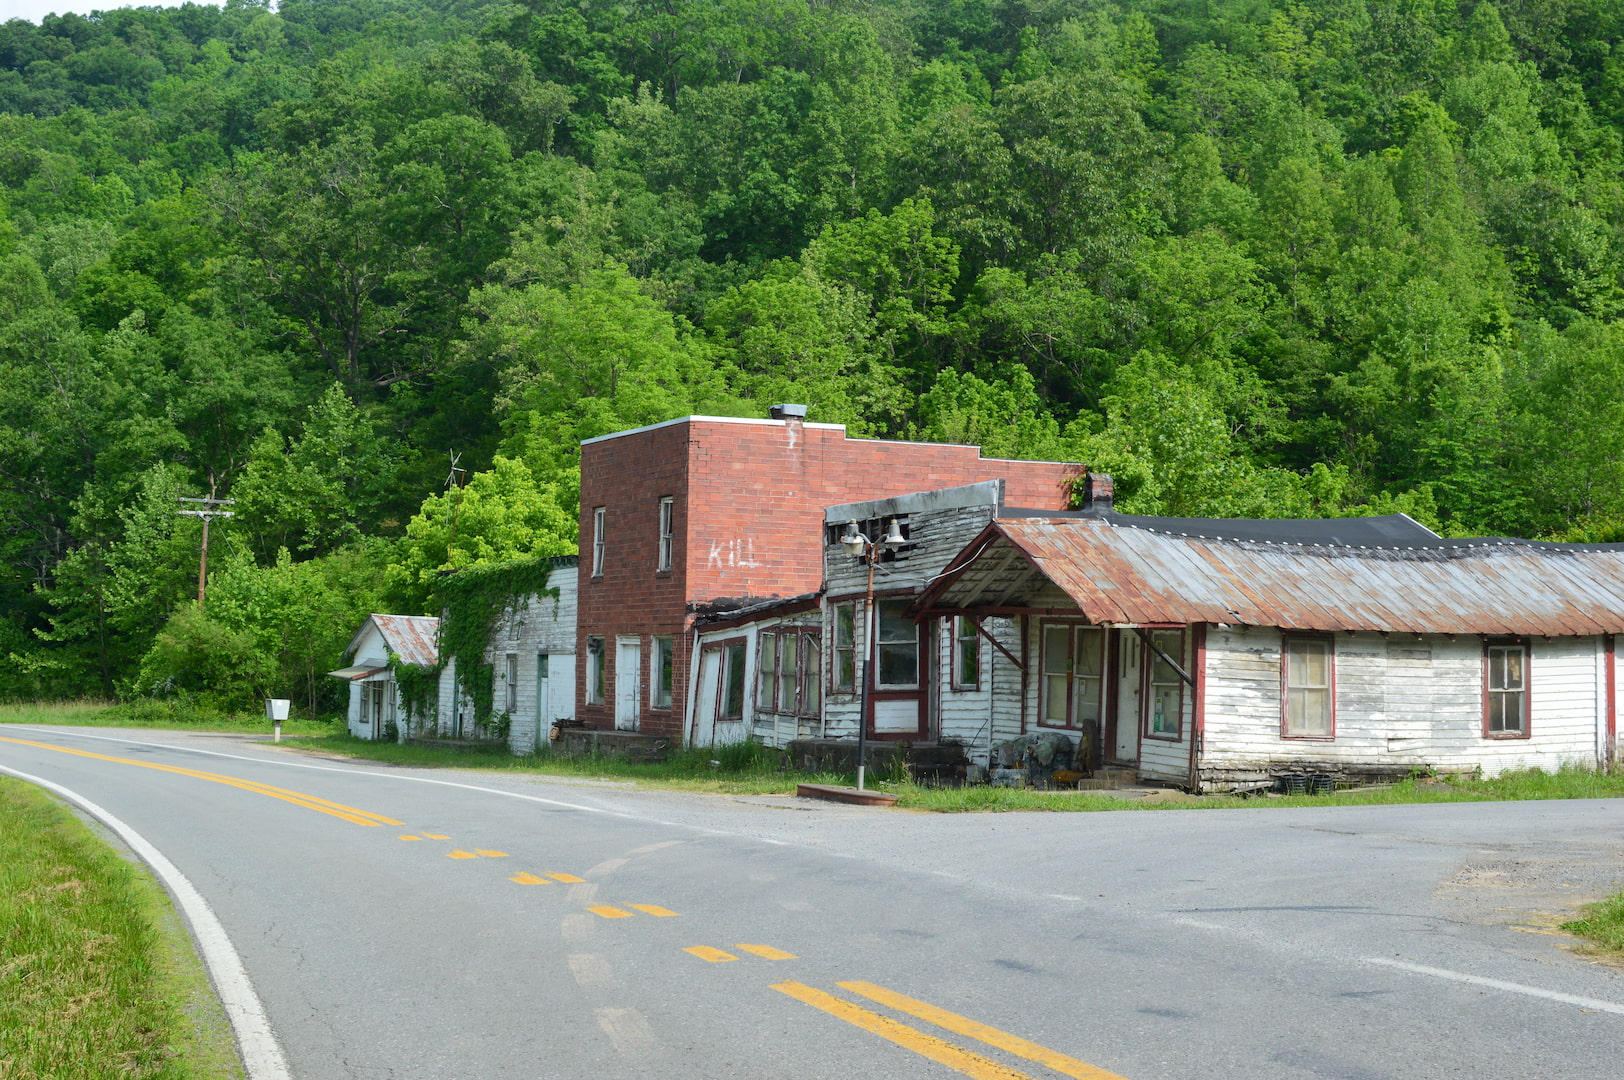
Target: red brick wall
[(749, 517)]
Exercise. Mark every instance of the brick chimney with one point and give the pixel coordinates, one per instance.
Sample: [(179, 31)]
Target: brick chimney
[(1099, 491)]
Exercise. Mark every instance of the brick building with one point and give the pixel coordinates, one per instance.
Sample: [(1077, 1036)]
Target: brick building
[(707, 514)]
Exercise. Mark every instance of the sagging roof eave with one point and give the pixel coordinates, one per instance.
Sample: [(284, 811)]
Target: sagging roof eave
[(987, 542)]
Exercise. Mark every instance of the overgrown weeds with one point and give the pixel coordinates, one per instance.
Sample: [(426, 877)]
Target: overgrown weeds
[(176, 713), (97, 979), (1602, 926)]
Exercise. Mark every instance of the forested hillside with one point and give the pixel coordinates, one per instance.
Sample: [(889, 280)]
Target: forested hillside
[(1254, 258)]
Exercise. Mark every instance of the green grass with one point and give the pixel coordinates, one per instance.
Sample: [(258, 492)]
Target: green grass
[(166, 715), (97, 977), (1603, 926)]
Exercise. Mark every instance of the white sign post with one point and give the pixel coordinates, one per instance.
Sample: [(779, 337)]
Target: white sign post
[(276, 709)]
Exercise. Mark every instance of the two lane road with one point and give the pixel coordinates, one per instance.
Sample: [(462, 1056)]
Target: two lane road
[(405, 924)]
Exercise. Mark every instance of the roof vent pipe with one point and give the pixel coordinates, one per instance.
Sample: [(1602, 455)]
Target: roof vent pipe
[(787, 412)]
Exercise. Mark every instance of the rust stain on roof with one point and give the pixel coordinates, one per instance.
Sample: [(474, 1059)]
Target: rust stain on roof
[(1140, 575), (414, 638)]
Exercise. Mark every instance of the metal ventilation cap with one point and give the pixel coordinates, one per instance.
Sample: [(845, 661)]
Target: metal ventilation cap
[(787, 412)]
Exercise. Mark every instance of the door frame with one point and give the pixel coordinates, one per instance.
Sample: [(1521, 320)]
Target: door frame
[(633, 644)]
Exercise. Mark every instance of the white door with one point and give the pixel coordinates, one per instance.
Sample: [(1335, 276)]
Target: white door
[(1126, 705), (544, 702), (628, 654), (705, 700)]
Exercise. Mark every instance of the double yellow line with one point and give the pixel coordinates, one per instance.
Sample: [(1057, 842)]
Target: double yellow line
[(939, 1050), (297, 798)]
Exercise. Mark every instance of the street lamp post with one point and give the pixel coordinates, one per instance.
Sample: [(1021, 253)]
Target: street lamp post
[(860, 546)]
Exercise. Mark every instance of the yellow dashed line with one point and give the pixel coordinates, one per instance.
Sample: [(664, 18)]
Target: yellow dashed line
[(708, 954), (568, 879), (309, 802), (529, 879), (408, 838), (489, 854), (435, 836), (961, 1025), (459, 854), (651, 909), (608, 912), (937, 1050), (766, 952)]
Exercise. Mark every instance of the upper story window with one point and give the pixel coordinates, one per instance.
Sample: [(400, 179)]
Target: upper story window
[(510, 682), (1505, 689), (1307, 687), (598, 515), (662, 561)]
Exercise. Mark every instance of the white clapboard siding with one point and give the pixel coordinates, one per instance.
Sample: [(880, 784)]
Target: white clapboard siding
[(1401, 701)]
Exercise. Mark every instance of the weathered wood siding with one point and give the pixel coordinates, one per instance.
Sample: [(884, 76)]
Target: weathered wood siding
[(1400, 701), (543, 624), (989, 713)]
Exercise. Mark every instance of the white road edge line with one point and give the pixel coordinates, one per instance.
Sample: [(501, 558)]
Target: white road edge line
[(262, 1055), (1498, 984)]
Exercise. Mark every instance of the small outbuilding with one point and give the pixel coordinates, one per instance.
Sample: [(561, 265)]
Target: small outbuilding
[(376, 708)]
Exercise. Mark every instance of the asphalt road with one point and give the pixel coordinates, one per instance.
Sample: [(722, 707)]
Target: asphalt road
[(435, 926)]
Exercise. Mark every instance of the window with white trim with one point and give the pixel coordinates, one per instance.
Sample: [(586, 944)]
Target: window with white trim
[(1073, 669), (510, 683), (966, 654), (843, 671), (594, 671), (1505, 689), (667, 509), (1307, 687), (660, 684), (599, 514)]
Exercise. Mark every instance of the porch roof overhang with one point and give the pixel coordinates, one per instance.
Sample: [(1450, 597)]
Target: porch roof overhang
[(1109, 574), (358, 672)]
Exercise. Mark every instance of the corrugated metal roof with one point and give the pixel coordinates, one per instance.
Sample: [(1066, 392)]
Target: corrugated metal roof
[(1140, 575), (413, 638)]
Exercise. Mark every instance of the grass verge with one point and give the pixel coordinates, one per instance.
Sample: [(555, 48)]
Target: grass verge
[(1602, 926), (164, 715), (97, 977)]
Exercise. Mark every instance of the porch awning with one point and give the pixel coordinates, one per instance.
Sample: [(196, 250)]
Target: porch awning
[(357, 672)]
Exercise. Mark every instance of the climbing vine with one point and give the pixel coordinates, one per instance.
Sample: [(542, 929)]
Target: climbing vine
[(471, 602), (418, 686)]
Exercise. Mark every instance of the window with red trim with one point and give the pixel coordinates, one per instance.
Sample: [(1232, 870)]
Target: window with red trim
[(1165, 719)]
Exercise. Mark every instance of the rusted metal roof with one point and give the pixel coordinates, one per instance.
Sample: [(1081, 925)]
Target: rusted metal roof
[(413, 638), (1115, 574)]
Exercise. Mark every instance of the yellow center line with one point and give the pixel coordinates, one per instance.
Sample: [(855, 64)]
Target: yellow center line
[(610, 912), (297, 798), (529, 879), (766, 952), (408, 838), (937, 1050), (568, 879), (655, 910), (961, 1025), (435, 836), (489, 854), (710, 955), (460, 854)]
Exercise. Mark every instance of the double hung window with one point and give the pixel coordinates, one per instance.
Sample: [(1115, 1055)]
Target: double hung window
[(1505, 689), (1307, 687), (843, 671), (662, 561), (966, 654), (897, 644), (599, 515), (789, 672), (1166, 704), (1073, 674)]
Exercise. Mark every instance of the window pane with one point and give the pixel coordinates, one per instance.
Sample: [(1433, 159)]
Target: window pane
[(765, 672), (733, 700), (1088, 699), (895, 626), (1056, 649), (899, 665), (812, 681), (1090, 652), (845, 624), (845, 669), (968, 670), (1309, 664), (786, 674), (1164, 715), (1054, 699)]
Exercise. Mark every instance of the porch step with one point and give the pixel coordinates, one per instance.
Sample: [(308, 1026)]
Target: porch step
[(1107, 778)]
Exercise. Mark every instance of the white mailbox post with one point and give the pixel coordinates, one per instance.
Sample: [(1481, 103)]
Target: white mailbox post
[(276, 709)]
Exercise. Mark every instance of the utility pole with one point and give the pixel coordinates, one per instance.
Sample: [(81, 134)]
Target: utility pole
[(211, 510)]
